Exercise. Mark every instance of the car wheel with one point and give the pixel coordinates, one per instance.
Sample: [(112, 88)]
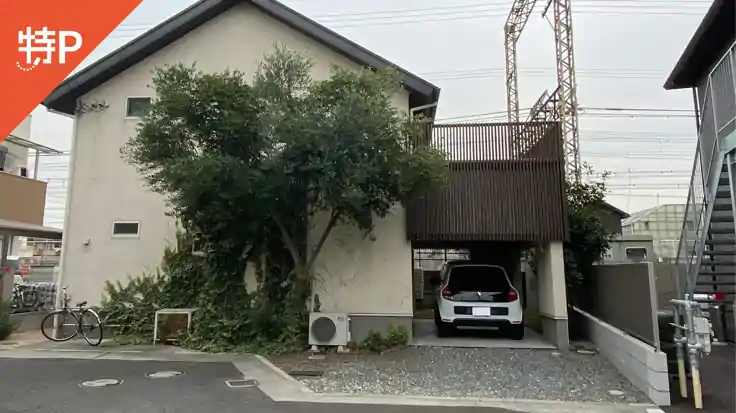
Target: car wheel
[(516, 332), (443, 329)]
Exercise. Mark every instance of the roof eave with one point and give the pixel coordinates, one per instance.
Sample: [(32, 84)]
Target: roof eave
[(63, 98), (680, 78)]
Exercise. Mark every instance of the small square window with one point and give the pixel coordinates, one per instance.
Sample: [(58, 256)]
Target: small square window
[(636, 253), (122, 229), (137, 107)]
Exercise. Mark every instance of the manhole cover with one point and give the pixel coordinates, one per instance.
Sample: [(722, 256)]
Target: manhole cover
[(100, 383), (164, 374), (241, 383)]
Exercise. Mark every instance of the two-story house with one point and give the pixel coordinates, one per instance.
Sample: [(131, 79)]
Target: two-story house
[(116, 228)]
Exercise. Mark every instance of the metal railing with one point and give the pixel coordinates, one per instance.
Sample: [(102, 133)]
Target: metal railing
[(717, 104)]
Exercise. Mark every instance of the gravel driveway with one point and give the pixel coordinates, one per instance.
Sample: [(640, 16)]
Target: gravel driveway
[(464, 372)]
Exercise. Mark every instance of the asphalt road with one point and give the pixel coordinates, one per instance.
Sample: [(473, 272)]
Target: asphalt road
[(718, 375), (55, 386)]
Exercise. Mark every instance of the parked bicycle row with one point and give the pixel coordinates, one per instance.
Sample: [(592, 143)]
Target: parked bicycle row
[(33, 297)]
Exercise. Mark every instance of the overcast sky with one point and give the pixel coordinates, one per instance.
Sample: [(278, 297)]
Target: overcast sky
[(624, 50)]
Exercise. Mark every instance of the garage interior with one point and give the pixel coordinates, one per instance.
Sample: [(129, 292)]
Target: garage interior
[(504, 197)]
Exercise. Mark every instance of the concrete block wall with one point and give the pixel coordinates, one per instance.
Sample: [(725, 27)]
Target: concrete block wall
[(639, 362)]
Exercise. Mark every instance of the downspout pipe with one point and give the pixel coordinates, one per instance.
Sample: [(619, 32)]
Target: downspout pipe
[(416, 109), (696, 109)]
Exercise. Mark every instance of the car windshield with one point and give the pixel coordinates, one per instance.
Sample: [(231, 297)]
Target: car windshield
[(482, 278)]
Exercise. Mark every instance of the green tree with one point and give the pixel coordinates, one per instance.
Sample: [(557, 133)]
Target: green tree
[(589, 237), (249, 167)]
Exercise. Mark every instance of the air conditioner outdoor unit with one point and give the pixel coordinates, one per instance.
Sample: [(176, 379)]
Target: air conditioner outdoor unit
[(328, 329)]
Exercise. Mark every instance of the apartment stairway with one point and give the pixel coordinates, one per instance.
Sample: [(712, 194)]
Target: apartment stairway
[(717, 275)]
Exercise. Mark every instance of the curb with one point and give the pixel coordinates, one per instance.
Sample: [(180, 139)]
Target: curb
[(284, 375)]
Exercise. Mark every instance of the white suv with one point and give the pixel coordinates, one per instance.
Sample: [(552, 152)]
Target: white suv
[(472, 295)]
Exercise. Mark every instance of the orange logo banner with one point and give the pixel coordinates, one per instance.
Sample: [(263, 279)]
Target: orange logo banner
[(42, 42)]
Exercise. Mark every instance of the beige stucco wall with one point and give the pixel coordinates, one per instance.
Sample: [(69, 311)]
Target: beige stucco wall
[(104, 188)]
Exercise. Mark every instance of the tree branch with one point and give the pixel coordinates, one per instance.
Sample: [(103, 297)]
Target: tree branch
[(317, 248), (288, 241)]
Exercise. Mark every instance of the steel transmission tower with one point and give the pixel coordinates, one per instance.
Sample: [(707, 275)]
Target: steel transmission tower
[(568, 97), (519, 15), (565, 95)]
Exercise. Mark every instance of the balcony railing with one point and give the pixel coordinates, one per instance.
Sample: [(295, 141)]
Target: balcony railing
[(22, 199)]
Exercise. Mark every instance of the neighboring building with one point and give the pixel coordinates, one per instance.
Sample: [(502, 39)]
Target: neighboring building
[(14, 161), (115, 228), (663, 224), (22, 199), (708, 68), (432, 260), (612, 217), (631, 249)]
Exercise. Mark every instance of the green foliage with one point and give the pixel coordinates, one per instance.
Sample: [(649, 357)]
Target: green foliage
[(396, 337), (589, 237), (246, 168), (129, 308), (7, 326)]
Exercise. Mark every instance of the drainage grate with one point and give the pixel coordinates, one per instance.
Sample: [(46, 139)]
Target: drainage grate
[(164, 374), (306, 373), (100, 383), (240, 383)]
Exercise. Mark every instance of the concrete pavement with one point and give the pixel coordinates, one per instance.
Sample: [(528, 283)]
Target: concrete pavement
[(48, 380)]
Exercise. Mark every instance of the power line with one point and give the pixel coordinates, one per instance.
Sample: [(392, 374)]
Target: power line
[(470, 12)]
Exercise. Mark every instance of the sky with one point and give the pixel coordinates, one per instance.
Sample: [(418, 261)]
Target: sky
[(624, 50)]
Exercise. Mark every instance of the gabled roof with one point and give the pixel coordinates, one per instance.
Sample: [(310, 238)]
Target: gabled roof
[(63, 98), (639, 215), (644, 214), (716, 33), (621, 213)]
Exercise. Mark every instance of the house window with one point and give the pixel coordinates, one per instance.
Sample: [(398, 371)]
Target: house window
[(125, 229), (137, 107), (636, 254)]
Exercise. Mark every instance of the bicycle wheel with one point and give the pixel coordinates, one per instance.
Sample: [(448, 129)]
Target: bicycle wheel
[(66, 324), (91, 327)]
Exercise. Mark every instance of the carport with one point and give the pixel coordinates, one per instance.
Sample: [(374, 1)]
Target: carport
[(10, 229), (497, 203)]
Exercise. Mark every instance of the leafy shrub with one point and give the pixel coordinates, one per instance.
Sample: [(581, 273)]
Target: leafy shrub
[(396, 337), (7, 326), (129, 308)]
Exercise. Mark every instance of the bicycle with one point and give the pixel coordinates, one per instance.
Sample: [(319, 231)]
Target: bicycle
[(82, 321), (24, 298)]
